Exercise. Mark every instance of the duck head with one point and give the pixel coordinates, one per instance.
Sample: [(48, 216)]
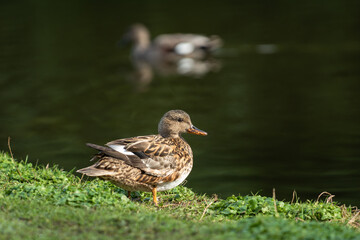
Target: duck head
[(175, 122), (137, 34)]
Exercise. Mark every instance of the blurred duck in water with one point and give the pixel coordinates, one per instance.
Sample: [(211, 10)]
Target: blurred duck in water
[(171, 47), (170, 54)]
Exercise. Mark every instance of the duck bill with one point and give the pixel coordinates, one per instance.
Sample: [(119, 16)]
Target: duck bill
[(196, 131)]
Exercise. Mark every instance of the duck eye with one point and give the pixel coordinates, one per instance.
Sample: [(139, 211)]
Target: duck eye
[(180, 119)]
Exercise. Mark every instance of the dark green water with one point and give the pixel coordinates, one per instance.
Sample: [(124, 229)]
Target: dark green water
[(289, 119)]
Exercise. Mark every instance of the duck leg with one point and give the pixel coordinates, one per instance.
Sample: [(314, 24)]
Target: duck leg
[(154, 196)]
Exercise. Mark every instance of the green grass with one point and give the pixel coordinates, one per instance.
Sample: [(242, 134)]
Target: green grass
[(37, 202)]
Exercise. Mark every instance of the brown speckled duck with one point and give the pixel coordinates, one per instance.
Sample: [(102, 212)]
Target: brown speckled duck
[(148, 163), (171, 47)]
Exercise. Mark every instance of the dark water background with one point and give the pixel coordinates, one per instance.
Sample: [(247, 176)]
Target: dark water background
[(287, 117)]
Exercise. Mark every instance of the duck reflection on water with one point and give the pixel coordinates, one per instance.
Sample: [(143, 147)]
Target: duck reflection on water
[(170, 54)]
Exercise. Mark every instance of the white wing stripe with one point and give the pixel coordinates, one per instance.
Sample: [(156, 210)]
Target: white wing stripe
[(184, 48), (121, 149)]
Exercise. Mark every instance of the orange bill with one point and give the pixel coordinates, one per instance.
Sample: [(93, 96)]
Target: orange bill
[(196, 131)]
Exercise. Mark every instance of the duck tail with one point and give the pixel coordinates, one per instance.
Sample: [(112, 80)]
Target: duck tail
[(94, 172), (97, 147), (215, 43)]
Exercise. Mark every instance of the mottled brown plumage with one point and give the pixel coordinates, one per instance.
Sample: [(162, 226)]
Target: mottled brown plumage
[(148, 163)]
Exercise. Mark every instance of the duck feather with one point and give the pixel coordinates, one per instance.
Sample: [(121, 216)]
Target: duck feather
[(152, 154)]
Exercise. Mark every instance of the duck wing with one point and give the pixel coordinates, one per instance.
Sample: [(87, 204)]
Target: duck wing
[(152, 154), (184, 44)]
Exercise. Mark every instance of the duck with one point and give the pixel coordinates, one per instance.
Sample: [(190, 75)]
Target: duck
[(170, 47), (150, 163)]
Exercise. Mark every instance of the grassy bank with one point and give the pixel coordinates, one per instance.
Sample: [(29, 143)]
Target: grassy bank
[(48, 203)]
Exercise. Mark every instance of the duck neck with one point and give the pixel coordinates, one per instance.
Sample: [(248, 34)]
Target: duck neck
[(142, 40), (165, 131), (169, 134)]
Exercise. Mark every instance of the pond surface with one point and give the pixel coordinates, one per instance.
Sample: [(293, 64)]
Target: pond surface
[(282, 107)]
